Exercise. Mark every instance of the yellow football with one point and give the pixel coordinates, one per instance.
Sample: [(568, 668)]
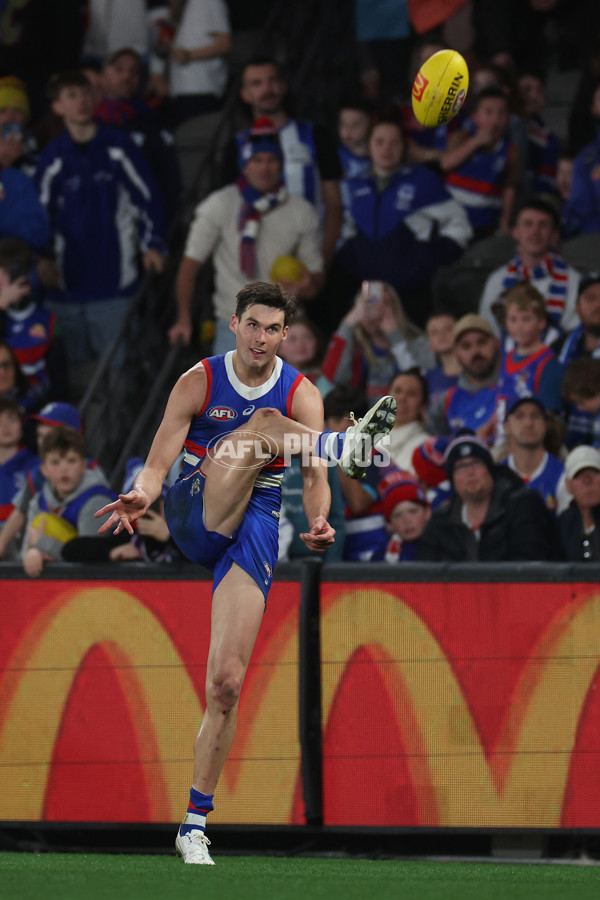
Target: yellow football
[(286, 268), (440, 88)]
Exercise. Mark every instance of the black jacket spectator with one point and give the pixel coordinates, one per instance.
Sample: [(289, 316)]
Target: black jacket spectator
[(517, 527)]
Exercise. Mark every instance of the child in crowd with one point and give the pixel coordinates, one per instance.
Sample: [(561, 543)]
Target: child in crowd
[(64, 508), (542, 144), (407, 512), (439, 329), (303, 348), (482, 164), (354, 121), (530, 369), (15, 459), (25, 325)]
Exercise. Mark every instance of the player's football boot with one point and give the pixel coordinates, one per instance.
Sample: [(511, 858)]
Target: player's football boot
[(362, 436), (193, 848)]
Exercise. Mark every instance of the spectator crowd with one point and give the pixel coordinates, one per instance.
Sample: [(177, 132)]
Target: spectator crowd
[(495, 453)]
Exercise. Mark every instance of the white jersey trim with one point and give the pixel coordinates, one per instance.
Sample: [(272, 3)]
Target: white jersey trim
[(251, 393)]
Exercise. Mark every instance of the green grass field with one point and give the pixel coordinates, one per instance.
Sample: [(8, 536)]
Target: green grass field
[(60, 876)]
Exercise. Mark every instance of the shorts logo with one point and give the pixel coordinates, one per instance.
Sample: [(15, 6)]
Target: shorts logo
[(248, 411), (222, 413), (195, 488), (268, 569), (419, 86)]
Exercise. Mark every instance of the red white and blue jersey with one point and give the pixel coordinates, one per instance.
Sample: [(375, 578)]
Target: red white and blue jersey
[(542, 157), (521, 377), (479, 183), (30, 333), (470, 409), (546, 480), (229, 403), (13, 474)]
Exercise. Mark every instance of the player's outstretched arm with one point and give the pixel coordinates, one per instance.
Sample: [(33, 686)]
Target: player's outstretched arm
[(185, 402)]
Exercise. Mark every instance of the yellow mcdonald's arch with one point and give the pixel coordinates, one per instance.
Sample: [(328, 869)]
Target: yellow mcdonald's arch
[(164, 708), (524, 782)]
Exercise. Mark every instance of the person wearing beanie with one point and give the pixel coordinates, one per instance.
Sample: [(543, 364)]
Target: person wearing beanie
[(244, 227), (407, 511), (493, 517), (15, 143)]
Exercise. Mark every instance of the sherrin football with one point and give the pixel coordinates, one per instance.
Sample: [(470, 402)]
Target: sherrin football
[(440, 88)]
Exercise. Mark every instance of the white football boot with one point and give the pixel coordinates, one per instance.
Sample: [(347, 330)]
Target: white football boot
[(362, 436), (193, 848)]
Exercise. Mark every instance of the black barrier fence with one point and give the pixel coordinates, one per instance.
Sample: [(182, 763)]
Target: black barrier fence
[(428, 686)]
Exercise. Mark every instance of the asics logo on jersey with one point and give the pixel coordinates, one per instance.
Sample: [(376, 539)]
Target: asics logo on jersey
[(248, 411), (222, 413)]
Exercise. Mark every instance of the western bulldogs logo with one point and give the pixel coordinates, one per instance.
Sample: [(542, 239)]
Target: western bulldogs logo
[(420, 83), (222, 414)]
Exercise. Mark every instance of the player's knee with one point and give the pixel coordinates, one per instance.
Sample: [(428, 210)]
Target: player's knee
[(224, 691), (262, 418)]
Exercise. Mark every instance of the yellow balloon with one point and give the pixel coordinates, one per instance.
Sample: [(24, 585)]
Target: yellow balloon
[(286, 268), (55, 527)]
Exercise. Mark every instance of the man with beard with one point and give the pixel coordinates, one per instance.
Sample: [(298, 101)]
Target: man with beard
[(311, 166), (470, 403), (493, 517), (583, 342)]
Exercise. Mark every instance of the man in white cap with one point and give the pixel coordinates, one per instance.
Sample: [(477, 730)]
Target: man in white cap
[(578, 525)]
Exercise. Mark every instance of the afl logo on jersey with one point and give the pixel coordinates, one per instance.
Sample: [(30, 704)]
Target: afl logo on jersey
[(222, 413)]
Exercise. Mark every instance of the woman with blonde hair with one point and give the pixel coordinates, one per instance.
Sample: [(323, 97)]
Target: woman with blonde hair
[(375, 341)]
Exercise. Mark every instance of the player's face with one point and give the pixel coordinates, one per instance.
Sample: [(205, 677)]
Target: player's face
[(259, 333), (492, 115), (64, 471), (353, 128), (534, 232), (533, 94), (263, 89), (526, 427), (300, 346), (524, 326), (588, 308), (263, 172), (75, 105), (585, 487), (408, 394), (472, 480), (386, 148), (122, 78), (11, 429), (439, 334), (408, 519), (477, 354)]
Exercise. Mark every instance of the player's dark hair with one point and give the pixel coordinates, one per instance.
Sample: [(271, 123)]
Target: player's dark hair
[(62, 80), (540, 205), (267, 295), (62, 440)]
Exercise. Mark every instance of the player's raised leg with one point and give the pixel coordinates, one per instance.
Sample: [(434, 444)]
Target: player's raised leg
[(238, 605)]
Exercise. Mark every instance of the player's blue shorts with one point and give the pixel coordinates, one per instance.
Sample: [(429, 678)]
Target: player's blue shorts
[(254, 545)]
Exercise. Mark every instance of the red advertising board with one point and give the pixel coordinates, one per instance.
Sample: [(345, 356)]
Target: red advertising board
[(102, 693), (461, 705)]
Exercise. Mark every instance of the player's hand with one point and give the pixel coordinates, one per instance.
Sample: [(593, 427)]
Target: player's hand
[(181, 329), (123, 511), (320, 536)]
